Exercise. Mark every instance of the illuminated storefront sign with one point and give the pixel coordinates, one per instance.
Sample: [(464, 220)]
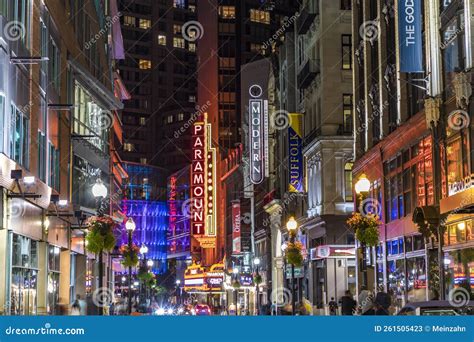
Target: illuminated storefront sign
[(258, 135), (236, 235), (462, 185), (295, 145), (203, 185), (197, 279)]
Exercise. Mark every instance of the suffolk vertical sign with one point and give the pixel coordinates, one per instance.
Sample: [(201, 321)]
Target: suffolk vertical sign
[(410, 35), (295, 145)]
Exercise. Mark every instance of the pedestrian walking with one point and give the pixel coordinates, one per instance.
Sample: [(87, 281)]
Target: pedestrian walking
[(366, 304), (75, 308), (382, 303), (333, 307), (348, 304)]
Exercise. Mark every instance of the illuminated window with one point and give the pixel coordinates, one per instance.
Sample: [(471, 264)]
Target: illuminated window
[(145, 24), (257, 48), (143, 160), (227, 12), (180, 116), (454, 157), (192, 98), (129, 21), (162, 39), (348, 182), (179, 3), (226, 63), (260, 16), (192, 8), (144, 64), (142, 121), (177, 29), (346, 45), (169, 119), (178, 43), (192, 47), (128, 147), (347, 112)]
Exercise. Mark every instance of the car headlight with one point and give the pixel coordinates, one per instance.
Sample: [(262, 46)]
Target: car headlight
[(160, 311), (169, 311)]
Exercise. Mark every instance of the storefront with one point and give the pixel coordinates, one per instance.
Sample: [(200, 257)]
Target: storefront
[(205, 286)]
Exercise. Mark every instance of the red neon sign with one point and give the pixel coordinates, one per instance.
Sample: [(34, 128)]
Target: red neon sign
[(198, 179)]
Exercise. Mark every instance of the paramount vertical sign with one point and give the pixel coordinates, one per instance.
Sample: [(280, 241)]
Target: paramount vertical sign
[(203, 185), (198, 177), (410, 36)]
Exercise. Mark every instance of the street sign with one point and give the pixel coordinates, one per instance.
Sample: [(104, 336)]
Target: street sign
[(299, 272)]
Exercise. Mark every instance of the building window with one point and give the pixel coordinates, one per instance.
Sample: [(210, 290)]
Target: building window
[(54, 64), (192, 8), (346, 44), (192, 98), (144, 64), (142, 121), (145, 24), (259, 16), (143, 160), (53, 168), (179, 42), (347, 107), (169, 119), (180, 116), (192, 47), (227, 12), (21, 15), (54, 254), (179, 3), (348, 182), (346, 5), (129, 21), (19, 137), (257, 48), (162, 39), (128, 147), (177, 29)]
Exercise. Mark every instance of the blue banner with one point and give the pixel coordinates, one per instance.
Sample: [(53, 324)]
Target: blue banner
[(295, 145), (237, 328), (410, 36)]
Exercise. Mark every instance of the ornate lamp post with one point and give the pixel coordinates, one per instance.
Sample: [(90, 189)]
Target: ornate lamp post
[(99, 191), (292, 227), (130, 227), (143, 252), (256, 262), (362, 188)]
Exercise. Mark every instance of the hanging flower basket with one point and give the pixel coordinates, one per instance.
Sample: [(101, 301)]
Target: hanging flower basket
[(366, 228), (294, 254), (100, 236), (257, 279), (130, 255)]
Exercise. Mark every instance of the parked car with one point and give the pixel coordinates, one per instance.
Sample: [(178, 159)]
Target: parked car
[(436, 308), (202, 310)]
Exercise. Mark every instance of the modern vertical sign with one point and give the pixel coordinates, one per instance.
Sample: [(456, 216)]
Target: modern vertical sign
[(198, 177), (256, 134), (295, 153), (410, 35), (236, 236)]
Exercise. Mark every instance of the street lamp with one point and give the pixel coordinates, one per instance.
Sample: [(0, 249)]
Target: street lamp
[(149, 263), (99, 191), (362, 188), (143, 288), (292, 227), (178, 291), (130, 227), (256, 262)]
